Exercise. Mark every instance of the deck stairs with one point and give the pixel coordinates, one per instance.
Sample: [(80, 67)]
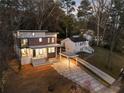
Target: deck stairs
[(88, 49), (39, 61)]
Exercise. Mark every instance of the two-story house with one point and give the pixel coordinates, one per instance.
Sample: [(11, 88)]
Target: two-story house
[(35, 46)]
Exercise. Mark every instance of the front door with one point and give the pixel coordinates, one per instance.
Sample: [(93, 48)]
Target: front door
[(41, 53)]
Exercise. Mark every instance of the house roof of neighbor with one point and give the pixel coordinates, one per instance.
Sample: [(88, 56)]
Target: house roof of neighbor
[(77, 39)]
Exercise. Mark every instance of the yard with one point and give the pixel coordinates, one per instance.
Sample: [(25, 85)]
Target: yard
[(37, 80), (99, 59)]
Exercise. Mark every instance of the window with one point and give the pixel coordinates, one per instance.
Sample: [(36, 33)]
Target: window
[(53, 40), (40, 39), (24, 42), (80, 44), (41, 53), (51, 50), (26, 52), (48, 40)]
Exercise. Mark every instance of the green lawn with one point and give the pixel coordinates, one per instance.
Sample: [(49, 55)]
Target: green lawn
[(99, 59)]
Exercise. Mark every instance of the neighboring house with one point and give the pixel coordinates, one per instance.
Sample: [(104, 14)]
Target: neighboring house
[(77, 44), (89, 35), (35, 46)]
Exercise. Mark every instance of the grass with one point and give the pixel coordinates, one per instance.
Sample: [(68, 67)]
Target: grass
[(100, 57)]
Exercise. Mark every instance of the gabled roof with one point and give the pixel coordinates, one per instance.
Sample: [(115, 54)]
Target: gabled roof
[(77, 39)]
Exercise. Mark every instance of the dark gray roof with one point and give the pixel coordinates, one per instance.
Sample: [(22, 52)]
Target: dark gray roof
[(77, 39)]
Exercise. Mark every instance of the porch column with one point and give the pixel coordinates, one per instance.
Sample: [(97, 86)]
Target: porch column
[(76, 61), (56, 51), (68, 62), (60, 54), (34, 53)]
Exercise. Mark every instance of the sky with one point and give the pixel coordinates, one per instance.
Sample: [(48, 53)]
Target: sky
[(77, 2), (76, 7)]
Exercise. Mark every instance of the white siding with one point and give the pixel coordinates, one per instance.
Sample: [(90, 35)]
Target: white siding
[(78, 46), (69, 45)]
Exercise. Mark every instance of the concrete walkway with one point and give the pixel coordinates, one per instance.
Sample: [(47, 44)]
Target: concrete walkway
[(79, 76)]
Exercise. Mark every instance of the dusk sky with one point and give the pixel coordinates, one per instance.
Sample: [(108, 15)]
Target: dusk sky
[(77, 2)]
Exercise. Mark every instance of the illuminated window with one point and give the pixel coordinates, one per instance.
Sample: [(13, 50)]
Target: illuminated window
[(40, 51), (48, 40), (53, 40), (24, 42), (51, 50), (25, 52), (40, 39)]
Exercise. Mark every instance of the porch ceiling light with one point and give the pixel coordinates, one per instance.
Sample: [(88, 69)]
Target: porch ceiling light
[(18, 34), (33, 34)]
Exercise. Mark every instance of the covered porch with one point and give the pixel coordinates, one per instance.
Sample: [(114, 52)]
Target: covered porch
[(39, 55), (69, 56)]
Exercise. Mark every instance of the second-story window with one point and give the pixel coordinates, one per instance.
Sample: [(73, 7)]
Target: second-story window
[(33, 34), (48, 40), (53, 40), (24, 42), (40, 39)]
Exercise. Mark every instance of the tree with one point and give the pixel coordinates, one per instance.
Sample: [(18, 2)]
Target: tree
[(23, 14), (119, 4), (116, 26), (84, 10), (101, 11), (68, 6)]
